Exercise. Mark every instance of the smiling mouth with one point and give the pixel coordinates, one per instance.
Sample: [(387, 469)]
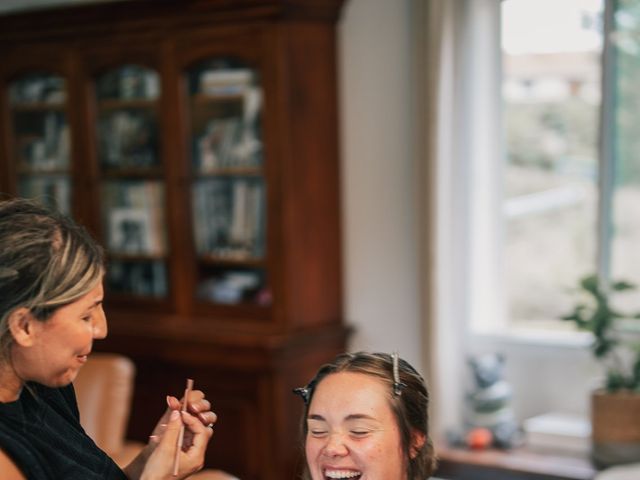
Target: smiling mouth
[(331, 474), (83, 358)]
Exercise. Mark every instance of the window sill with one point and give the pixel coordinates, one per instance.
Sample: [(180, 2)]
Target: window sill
[(534, 337)]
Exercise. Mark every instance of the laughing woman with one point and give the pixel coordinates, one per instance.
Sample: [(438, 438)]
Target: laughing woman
[(51, 297), (366, 417)]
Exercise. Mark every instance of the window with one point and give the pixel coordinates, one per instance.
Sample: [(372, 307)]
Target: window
[(551, 86), (565, 177)]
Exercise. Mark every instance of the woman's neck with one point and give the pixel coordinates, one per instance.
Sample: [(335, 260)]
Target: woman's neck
[(10, 384)]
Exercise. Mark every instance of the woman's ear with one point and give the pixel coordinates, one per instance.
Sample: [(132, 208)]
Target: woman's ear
[(20, 323), (418, 440)]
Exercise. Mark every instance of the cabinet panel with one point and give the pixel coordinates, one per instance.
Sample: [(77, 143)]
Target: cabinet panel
[(228, 201), (41, 138), (132, 188), (203, 154)]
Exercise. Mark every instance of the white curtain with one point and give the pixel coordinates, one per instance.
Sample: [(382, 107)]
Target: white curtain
[(456, 60)]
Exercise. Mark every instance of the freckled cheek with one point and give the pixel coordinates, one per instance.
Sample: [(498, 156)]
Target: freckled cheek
[(374, 454), (313, 448)]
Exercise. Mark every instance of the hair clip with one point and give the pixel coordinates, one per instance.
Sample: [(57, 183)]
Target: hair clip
[(397, 384), (304, 392)]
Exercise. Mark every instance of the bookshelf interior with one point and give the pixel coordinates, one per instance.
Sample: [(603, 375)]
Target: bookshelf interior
[(198, 143)]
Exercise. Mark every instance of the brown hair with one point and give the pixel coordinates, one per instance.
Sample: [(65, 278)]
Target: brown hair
[(409, 406), (46, 261)]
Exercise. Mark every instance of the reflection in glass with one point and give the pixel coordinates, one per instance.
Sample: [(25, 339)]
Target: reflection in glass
[(128, 138), (133, 193), (42, 139), (127, 118), (226, 104), (141, 278), (626, 193), (232, 286), (228, 192), (134, 217), (127, 83), (52, 190), (229, 217), (551, 88)]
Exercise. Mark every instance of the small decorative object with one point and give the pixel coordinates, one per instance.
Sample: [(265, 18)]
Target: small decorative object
[(615, 407), (490, 421)]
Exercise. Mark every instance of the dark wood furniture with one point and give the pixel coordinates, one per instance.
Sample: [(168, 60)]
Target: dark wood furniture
[(517, 464), (197, 139)]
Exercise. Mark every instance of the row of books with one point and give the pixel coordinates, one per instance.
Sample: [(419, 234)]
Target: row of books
[(135, 222), (129, 82), (226, 143), (231, 140), (51, 190), (225, 81), (45, 140), (232, 287), (147, 279), (31, 89), (128, 138), (229, 217)]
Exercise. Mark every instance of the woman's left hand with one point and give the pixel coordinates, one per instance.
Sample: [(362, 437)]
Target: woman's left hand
[(197, 405)]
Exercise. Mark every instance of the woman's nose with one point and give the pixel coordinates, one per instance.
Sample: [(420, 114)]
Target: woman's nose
[(335, 446), (100, 325)]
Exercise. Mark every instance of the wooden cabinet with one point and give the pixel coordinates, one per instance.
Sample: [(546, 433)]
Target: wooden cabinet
[(198, 141)]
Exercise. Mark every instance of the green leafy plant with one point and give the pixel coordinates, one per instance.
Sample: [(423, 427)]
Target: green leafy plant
[(594, 313)]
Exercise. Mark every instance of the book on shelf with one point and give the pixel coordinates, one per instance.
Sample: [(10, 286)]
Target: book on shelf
[(225, 81), (135, 217), (231, 286), (129, 82), (46, 147), (138, 278), (52, 190), (49, 89), (128, 138), (556, 431), (229, 217)]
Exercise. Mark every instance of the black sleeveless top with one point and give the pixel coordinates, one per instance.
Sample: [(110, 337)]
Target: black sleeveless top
[(41, 433)]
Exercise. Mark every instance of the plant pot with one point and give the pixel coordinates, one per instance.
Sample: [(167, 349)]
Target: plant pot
[(615, 424)]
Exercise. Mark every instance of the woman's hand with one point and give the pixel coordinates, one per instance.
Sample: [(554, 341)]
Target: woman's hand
[(159, 465), (200, 409), (197, 405)]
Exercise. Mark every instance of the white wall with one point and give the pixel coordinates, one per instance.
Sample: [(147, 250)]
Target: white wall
[(381, 217), (379, 211)]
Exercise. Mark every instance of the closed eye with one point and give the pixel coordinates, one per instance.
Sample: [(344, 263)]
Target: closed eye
[(318, 433)]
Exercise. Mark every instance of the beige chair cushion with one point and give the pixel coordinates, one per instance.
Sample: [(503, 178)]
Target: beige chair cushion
[(104, 388)]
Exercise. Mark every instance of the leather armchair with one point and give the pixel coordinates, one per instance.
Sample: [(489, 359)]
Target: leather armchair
[(104, 388)]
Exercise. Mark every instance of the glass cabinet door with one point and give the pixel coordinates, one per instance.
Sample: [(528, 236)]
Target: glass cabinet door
[(228, 196), (132, 182), (42, 139)]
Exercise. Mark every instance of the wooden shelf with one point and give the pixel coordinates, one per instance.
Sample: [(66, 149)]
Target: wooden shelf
[(516, 464), (277, 187)]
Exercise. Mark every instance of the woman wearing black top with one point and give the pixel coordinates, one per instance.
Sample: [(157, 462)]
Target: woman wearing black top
[(51, 296)]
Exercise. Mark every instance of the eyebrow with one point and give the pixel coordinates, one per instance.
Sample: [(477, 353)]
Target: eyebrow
[(353, 416)]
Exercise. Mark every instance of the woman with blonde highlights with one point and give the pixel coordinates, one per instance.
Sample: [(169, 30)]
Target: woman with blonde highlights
[(51, 296)]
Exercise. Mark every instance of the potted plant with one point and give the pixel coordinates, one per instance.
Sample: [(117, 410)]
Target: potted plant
[(615, 406)]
